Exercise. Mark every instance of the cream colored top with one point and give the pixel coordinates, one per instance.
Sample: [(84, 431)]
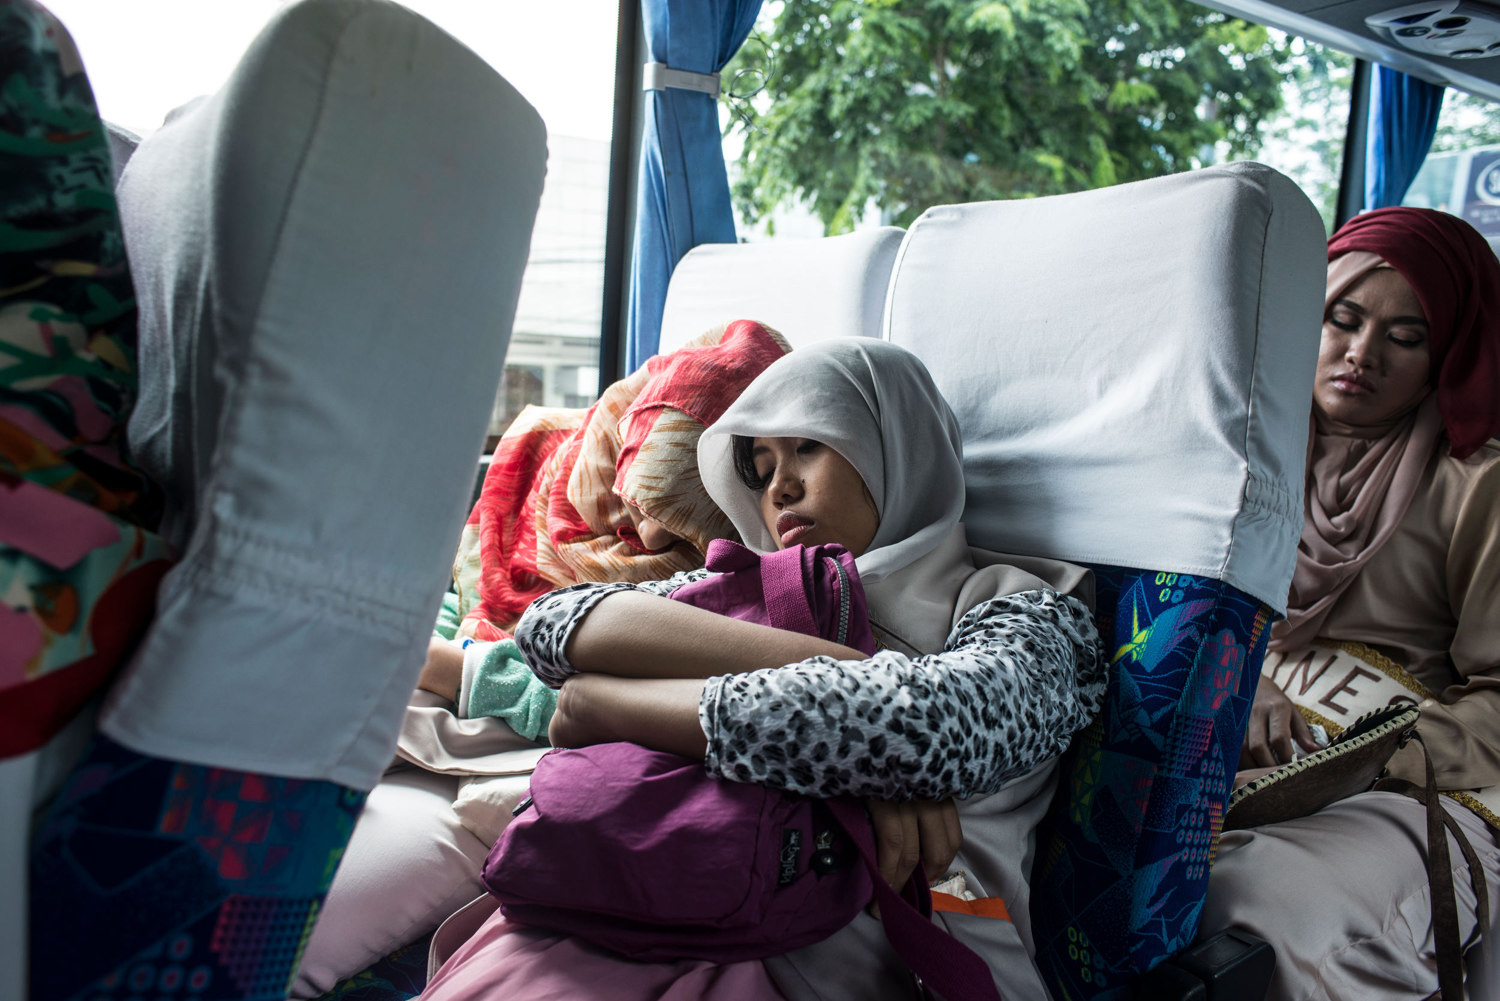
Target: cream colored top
[(1430, 601)]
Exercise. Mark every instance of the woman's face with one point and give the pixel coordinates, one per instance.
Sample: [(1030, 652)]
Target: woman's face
[(653, 534), (812, 495), (1375, 360)]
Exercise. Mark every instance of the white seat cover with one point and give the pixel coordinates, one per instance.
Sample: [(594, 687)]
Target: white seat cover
[(327, 255), (807, 290), (1132, 368)]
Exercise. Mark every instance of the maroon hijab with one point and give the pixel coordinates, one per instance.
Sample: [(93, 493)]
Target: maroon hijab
[(1457, 280)]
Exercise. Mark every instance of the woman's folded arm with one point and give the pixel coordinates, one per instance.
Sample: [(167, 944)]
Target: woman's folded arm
[(634, 631), (1019, 676), (544, 631)]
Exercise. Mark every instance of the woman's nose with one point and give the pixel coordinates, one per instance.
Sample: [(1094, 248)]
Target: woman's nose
[(654, 535), (1361, 350), (785, 488)]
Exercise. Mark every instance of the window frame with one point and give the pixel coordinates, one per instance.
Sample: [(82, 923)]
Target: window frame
[(624, 166), (624, 146)]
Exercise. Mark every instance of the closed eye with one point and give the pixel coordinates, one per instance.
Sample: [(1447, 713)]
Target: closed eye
[(1345, 320)]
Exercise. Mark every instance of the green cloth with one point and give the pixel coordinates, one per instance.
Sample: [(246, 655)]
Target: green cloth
[(502, 685)]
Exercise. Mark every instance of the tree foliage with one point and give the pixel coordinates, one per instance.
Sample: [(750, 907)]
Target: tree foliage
[(1308, 135), (1467, 121), (911, 103)]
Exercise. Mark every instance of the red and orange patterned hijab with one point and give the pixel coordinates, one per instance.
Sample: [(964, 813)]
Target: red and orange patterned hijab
[(553, 508)]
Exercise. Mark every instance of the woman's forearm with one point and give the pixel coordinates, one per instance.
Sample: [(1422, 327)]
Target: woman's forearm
[(1019, 676), (654, 712), (635, 635)]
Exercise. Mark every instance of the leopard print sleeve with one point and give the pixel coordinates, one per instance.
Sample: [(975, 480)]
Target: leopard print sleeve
[(544, 629), (1017, 678)]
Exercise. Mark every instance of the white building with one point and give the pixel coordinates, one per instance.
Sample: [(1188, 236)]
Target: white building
[(553, 358)]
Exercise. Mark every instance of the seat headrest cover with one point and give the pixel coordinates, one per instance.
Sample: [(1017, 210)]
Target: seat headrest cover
[(808, 290), (327, 255), (1132, 368)]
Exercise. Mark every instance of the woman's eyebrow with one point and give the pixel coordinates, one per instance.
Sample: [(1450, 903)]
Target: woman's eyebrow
[(1356, 307)]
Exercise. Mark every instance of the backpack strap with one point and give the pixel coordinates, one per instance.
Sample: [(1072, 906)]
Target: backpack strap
[(940, 962), (788, 605)]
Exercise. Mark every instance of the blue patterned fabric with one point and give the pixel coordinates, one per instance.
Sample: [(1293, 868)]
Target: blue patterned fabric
[(151, 878), (1122, 862)]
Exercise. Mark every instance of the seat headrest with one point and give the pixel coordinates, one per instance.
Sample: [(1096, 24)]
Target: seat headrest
[(807, 290), (309, 190), (1132, 368)]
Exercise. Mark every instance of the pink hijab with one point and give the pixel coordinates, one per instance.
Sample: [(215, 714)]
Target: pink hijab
[(1361, 480)]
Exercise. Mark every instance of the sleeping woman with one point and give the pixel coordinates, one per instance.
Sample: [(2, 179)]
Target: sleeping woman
[(983, 675), (1396, 598)]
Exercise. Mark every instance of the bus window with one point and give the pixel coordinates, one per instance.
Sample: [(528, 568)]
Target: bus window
[(1305, 138), (840, 116), (1462, 171), (147, 57)]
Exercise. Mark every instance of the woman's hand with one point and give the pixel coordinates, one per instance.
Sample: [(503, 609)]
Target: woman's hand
[(444, 670), (1247, 775), (1274, 724), (925, 831)]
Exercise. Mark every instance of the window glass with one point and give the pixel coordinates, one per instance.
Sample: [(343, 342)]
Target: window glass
[(1304, 139), (146, 57), (840, 115), (1462, 171)]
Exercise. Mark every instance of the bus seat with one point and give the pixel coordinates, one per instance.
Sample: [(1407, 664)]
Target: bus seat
[(327, 256), (1132, 369), (806, 290)]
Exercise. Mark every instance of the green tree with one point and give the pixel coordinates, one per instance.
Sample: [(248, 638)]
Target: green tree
[(911, 103), (1465, 122), (1307, 136)]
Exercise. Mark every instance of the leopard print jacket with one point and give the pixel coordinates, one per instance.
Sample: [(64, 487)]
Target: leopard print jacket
[(1018, 676)]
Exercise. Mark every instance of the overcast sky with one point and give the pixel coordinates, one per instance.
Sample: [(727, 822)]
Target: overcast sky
[(145, 57)]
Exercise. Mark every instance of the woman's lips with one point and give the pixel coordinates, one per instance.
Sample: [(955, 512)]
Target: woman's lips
[(1354, 385), (791, 527)]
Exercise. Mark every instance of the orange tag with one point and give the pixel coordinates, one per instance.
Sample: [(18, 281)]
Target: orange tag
[(984, 907)]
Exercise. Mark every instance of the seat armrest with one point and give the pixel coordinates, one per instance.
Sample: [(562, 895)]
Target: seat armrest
[(1231, 966)]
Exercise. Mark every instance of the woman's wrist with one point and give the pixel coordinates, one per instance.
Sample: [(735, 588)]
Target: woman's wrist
[(658, 713), (443, 671)]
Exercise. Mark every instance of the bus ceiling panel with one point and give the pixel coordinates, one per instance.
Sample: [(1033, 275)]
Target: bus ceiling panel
[(1341, 25)]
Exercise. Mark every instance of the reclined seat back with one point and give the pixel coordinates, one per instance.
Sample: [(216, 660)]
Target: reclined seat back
[(1132, 369), (327, 256), (807, 290)]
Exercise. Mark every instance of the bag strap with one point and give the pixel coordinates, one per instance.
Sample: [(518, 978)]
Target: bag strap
[(1440, 876), (941, 962), (781, 582)]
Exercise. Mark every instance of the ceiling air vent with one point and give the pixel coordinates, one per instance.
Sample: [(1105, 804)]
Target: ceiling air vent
[(1456, 29)]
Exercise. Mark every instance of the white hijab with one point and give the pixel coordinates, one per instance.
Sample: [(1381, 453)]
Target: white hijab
[(876, 405)]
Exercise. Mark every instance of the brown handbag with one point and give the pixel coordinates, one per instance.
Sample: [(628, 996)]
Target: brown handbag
[(1353, 764), (1350, 764)]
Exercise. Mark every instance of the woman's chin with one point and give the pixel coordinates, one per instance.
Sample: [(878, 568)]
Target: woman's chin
[(1362, 410)]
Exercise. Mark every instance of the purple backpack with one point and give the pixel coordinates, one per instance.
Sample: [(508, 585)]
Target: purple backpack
[(645, 854)]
